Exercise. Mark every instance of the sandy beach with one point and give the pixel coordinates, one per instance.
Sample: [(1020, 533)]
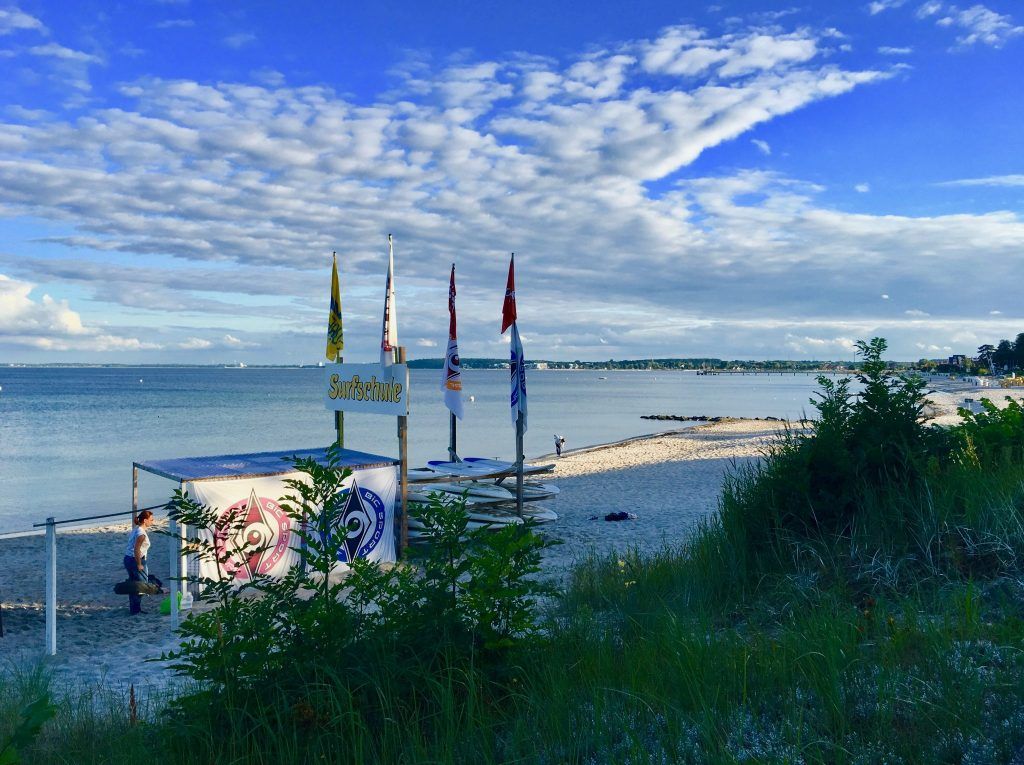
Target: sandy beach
[(669, 480)]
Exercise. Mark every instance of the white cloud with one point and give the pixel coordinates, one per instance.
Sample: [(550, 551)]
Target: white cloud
[(884, 296), (423, 342), (53, 50), (994, 180), (175, 24), (820, 347), (15, 20), (976, 25), (877, 6), (889, 50), (995, 313), (51, 325), (916, 313), (239, 40), (762, 146), (195, 344), (862, 188), (689, 51)]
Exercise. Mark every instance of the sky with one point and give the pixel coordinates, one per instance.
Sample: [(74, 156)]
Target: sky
[(743, 180)]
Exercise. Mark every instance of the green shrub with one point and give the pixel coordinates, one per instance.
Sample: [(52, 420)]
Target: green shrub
[(315, 658), (994, 435)]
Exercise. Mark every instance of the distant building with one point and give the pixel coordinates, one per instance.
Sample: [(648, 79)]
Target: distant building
[(958, 361)]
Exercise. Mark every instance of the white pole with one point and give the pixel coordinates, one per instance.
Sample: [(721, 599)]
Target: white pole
[(175, 566), (183, 560), (51, 587)]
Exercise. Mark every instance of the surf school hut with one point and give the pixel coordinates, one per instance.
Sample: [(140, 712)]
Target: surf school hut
[(253, 484)]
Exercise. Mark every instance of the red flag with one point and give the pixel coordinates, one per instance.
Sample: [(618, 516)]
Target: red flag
[(451, 306), (508, 308)]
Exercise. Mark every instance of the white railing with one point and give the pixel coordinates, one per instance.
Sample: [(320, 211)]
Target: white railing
[(49, 530)]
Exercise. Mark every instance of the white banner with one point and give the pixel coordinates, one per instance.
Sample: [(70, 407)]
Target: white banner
[(269, 536), (367, 388), (259, 525)]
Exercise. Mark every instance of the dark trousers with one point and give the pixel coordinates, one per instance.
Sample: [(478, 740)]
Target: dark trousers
[(135, 575)]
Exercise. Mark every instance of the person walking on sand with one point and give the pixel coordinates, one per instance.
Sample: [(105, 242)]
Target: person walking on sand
[(559, 443), (135, 557)]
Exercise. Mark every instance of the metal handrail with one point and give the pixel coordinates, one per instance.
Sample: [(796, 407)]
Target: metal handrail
[(97, 517), (16, 534)]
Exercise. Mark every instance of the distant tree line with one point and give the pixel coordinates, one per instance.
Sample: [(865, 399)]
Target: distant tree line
[(698, 364), (1006, 356)]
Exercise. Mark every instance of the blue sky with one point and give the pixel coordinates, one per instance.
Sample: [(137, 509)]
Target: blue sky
[(746, 180)]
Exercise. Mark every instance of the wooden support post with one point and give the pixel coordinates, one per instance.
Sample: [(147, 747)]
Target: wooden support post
[(51, 587), (403, 466), (339, 421)]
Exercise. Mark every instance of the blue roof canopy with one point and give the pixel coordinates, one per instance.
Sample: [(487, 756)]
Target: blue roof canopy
[(226, 466)]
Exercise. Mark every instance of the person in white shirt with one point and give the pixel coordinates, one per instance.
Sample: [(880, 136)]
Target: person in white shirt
[(135, 556)]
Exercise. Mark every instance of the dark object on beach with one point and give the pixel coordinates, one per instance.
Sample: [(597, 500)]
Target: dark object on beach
[(623, 516), (131, 587)]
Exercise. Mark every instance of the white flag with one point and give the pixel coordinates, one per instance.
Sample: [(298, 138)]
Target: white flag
[(389, 329)]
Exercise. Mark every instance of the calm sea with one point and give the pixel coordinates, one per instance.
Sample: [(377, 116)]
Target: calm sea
[(68, 437)]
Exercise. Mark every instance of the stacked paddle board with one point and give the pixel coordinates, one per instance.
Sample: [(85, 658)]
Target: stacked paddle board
[(490, 496)]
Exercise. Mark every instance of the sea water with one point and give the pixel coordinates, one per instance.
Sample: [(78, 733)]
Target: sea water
[(68, 436)]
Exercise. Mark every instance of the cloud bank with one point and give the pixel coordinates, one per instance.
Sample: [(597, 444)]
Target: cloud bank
[(225, 199)]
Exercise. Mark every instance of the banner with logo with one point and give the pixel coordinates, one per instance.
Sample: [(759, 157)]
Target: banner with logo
[(268, 536), (367, 516)]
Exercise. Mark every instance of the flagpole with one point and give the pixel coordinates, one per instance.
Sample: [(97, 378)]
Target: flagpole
[(403, 466), (339, 416), (453, 453), (520, 457)]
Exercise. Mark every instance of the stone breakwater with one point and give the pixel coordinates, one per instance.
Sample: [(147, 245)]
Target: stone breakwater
[(703, 418)]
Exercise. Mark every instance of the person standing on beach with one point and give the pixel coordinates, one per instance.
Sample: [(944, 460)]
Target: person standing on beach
[(559, 442), (135, 556)]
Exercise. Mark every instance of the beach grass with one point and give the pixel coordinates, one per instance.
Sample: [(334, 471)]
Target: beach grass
[(858, 598)]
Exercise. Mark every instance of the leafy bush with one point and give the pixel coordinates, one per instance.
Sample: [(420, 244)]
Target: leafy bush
[(814, 482), (994, 434), (871, 493), (372, 642)]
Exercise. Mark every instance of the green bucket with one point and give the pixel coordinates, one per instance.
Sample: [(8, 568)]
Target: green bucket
[(165, 605)]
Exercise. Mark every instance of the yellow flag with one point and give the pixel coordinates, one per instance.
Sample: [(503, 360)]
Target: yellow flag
[(335, 335)]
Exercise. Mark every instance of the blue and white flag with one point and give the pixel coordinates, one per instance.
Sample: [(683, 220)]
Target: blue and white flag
[(451, 375), (517, 369)]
